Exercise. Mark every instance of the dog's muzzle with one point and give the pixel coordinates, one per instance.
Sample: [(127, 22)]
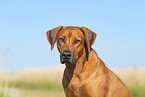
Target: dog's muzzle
[(65, 57)]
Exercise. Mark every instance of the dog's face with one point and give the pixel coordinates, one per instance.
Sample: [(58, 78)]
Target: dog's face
[(70, 44), (71, 41)]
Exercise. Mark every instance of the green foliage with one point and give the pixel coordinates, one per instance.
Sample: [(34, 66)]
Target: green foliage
[(39, 85), (35, 85), (1, 94), (137, 91)]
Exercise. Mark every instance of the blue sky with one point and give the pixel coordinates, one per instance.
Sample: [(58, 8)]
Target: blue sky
[(119, 24)]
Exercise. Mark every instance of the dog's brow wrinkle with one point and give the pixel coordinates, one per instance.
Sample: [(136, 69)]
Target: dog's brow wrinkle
[(72, 27), (69, 36)]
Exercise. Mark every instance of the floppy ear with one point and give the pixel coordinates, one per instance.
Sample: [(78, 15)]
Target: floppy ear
[(90, 37), (52, 35)]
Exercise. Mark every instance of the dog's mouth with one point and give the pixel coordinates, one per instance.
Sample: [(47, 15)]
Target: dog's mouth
[(66, 60)]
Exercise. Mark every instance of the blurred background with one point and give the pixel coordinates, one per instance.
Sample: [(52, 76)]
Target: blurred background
[(28, 67)]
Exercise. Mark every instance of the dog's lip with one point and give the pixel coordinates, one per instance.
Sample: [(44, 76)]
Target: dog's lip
[(68, 61), (65, 60)]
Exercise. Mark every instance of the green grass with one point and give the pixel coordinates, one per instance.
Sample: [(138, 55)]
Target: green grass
[(53, 88), (1, 94), (138, 91), (35, 85), (39, 85)]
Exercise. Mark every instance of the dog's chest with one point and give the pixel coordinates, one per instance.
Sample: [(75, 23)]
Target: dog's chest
[(77, 88)]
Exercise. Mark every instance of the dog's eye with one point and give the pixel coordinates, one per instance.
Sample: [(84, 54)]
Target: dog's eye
[(61, 39), (77, 41)]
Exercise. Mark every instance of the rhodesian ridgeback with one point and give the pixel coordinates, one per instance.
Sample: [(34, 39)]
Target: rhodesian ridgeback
[(85, 74)]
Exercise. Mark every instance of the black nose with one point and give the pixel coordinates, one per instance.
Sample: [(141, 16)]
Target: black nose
[(66, 55)]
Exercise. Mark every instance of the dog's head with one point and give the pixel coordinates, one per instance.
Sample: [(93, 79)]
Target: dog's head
[(71, 42)]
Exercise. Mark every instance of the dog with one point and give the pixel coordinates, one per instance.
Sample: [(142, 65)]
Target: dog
[(85, 74)]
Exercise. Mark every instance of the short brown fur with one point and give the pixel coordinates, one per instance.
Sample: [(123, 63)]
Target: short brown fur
[(85, 74)]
